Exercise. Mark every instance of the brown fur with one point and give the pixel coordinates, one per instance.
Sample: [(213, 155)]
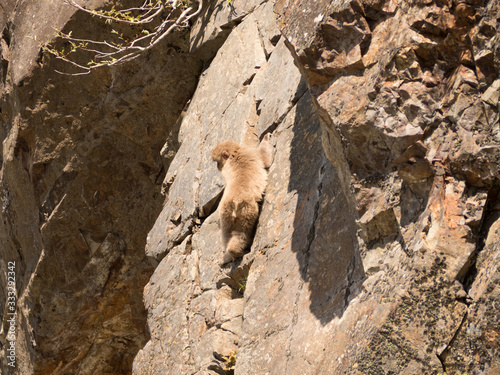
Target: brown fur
[(245, 175)]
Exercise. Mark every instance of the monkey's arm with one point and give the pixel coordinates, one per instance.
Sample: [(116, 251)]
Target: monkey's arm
[(266, 150)]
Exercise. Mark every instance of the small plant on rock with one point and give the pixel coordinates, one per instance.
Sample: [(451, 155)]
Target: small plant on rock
[(242, 284), (230, 361)]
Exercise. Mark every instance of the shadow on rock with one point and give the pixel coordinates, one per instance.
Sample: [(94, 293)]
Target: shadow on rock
[(324, 238)]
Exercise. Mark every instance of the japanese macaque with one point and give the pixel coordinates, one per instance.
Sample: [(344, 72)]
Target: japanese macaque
[(244, 170)]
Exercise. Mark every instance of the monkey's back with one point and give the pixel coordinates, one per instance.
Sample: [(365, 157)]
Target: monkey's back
[(245, 174), (246, 177)]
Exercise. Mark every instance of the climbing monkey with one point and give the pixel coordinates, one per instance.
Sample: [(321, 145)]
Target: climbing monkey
[(244, 170)]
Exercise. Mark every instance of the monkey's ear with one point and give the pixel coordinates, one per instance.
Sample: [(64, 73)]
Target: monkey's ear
[(225, 155)]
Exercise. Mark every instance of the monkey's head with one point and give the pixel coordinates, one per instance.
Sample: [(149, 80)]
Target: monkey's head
[(223, 152)]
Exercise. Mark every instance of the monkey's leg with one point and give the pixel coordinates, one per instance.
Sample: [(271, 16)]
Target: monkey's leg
[(227, 222), (242, 231), (237, 244), (236, 247)]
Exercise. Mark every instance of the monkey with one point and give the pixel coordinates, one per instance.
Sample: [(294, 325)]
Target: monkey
[(244, 170)]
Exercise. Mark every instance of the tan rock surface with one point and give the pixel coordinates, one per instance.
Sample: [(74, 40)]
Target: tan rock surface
[(80, 181), (411, 120), (377, 246)]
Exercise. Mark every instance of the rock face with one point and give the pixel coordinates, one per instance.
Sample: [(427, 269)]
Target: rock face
[(377, 247), (407, 93), (80, 184)]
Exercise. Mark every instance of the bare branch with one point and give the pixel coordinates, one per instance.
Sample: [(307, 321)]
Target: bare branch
[(134, 22), (107, 53)]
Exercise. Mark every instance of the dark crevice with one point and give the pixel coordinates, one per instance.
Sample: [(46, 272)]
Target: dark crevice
[(491, 212), (275, 39), (160, 176), (442, 363), (312, 230), (444, 354), (374, 18), (427, 29), (6, 34), (189, 246), (271, 128), (249, 80), (4, 64), (364, 46), (189, 231), (211, 206), (350, 281), (3, 69), (219, 366), (257, 105)]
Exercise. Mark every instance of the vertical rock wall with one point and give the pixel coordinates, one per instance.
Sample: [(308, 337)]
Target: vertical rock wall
[(383, 261), (408, 97), (80, 185), (278, 305)]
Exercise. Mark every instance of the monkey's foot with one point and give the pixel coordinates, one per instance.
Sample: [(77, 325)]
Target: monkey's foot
[(228, 258)]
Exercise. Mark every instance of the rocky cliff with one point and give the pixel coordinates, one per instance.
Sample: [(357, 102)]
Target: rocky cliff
[(377, 247), (80, 184)]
